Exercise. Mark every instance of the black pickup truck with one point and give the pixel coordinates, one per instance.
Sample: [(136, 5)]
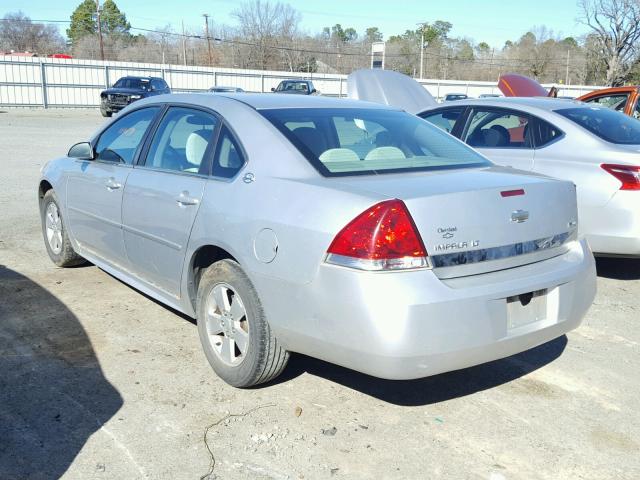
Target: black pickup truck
[(130, 89)]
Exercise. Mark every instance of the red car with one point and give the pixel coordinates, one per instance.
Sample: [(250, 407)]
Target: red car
[(623, 99)]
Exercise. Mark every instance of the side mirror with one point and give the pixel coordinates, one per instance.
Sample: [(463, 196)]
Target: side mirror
[(81, 151), (273, 89), (315, 91)]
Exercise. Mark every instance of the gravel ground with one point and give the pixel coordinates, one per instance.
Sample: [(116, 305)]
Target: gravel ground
[(100, 381)]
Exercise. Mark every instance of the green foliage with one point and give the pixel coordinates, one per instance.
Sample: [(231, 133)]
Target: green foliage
[(436, 31), (84, 21), (113, 20), (340, 34), (373, 34)]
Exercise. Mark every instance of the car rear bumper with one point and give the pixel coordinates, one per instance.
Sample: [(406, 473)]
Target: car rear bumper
[(412, 324)]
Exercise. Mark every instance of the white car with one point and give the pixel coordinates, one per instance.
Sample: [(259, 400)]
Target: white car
[(596, 148)]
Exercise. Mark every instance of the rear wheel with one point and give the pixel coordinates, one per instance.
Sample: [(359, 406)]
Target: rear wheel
[(55, 233), (234, 333)]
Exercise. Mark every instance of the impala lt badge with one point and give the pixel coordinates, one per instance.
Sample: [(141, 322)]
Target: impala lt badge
[(519, 216)]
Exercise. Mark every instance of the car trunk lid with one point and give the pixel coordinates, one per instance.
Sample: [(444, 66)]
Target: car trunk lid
[(480, 220)]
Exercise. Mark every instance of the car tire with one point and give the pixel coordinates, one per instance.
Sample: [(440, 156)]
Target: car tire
[(225, 325), (105, 113), (55, 235)]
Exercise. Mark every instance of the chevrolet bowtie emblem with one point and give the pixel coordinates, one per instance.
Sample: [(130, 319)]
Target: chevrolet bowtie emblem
[(519, 216), (447, 235)]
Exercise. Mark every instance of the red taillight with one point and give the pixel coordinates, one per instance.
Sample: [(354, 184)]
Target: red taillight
[(512, 193), (383, 237), (629, 175)]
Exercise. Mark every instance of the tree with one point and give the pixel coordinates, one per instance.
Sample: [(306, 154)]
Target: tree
[(340, 34), (616, 27), (266, 26), (19, 33), (373, 34), (84, 21)]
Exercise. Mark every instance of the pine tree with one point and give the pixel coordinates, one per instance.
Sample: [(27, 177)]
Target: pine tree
[(83, 20)]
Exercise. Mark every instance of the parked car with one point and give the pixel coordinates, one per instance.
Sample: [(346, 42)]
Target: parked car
[(489, 95), (130, 89), (296, 87), (452, 97), (222, 89), (376, 241), (622, 99), (594, 147)]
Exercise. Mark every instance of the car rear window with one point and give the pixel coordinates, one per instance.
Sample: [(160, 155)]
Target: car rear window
[(354, 141), (611, 126), (135, 83)]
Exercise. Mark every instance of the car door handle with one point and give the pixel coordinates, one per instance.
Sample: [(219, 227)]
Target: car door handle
[(184, 199), (111, 184)]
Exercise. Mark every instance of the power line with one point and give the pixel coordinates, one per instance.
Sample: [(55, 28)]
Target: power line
[(513, 63)]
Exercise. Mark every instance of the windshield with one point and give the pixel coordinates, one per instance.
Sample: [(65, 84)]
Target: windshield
[(298, 86), (354, 141), (135, 83), (612, 126)]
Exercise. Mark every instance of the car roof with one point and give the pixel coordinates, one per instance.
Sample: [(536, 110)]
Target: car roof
[(141, 77), (541, 103), (264, 101)]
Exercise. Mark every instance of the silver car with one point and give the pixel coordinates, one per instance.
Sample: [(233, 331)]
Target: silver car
[(596, 148), (344, 230)]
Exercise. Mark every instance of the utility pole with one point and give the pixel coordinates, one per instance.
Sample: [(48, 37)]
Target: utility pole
[(566, 82), (421, 25), (99, 29), (206, 29), (184, 45)]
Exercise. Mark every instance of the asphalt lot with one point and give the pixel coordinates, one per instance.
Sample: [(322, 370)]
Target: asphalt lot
[(99, 381)]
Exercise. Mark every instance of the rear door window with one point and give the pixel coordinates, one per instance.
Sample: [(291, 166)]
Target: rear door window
[(182, 140), (498, 128), (545, 133), (615, 102)]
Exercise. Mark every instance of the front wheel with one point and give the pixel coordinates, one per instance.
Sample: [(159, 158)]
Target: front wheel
[(105, 112), (55, 233), (236, 338)]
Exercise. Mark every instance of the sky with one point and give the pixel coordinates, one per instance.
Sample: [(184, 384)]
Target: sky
[(491, 21)]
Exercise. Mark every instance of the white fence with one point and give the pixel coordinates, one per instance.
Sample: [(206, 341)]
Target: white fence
[(52, 82)]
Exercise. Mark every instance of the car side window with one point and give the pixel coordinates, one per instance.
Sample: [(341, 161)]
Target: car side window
[(182, 140), (158, 85), (545, 133), (229, 158), (636, 111), (616, 102), (497, 128), (121, 140), (444, 119)]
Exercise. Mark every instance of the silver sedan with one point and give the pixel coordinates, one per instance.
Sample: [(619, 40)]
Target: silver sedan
[(340, 229)]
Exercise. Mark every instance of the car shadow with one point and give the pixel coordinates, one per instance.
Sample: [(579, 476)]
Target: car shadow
[(53, 394), (430, 390), (618, 268)]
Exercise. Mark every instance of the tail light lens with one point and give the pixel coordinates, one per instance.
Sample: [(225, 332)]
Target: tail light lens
[(383, 237), (629, 175)]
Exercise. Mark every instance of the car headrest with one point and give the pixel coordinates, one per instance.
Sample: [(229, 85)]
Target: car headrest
[(196, 146)]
